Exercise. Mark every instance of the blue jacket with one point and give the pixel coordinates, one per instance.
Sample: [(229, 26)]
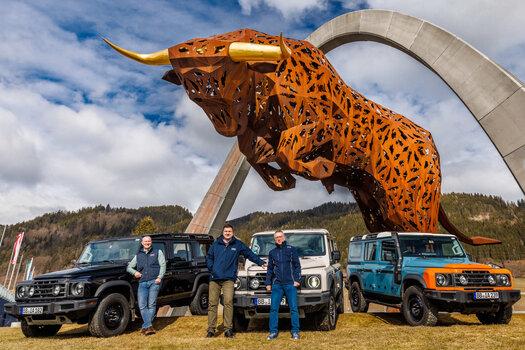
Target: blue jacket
[(283, 265), (222, 259)]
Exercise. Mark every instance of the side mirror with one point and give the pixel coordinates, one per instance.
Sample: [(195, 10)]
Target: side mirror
[(336, 255)]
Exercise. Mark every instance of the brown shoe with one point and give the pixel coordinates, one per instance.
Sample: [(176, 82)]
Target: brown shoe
[(143, 331), (150, 331)]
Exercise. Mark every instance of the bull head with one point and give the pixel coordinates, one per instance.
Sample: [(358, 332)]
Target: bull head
[(222, 74)]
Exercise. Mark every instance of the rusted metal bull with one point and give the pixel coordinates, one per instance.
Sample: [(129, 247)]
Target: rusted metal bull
[(293, 114)]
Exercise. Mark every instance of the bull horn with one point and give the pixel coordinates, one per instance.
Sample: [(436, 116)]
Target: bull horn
[(240, 51), (158, 58)]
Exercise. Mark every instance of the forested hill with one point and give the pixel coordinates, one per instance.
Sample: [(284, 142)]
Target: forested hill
[(56, 239)]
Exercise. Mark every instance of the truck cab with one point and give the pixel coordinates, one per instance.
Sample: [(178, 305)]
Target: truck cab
[(424, 273)]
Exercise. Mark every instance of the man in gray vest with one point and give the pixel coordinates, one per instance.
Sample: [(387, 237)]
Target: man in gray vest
[(150, 267)]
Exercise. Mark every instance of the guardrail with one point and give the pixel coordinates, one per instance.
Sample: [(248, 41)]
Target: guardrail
[(6, 294)]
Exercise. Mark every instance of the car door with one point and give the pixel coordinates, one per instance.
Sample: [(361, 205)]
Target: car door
[(369, 267), (385, 269), (163, 292), (182, 267)]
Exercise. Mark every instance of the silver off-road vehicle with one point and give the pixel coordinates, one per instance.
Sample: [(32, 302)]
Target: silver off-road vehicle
[(320, 295)]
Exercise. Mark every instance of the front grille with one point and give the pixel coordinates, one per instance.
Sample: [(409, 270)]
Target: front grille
[(474, 278), (262, 282), (44, 289)]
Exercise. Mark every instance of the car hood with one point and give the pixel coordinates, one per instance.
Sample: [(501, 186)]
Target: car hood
[(436, 262), (88, 270), (306, 263)]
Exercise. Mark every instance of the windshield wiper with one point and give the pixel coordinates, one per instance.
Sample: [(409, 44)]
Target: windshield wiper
[(83, 263)]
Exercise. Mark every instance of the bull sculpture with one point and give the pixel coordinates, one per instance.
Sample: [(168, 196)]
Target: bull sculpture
[(293, 114)]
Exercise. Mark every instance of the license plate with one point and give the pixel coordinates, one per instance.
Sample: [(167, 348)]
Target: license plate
[(37, 310), (267, 301), (486, 295)]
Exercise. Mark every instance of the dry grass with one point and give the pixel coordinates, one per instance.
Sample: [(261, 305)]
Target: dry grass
[(354, 331)]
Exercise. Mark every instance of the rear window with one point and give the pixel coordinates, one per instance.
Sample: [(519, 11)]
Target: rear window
[(355, 250)]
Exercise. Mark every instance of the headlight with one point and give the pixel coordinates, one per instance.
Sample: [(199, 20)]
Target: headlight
[(313, 282), (463, 280), (77, 289), (503, 280), (441, 280), (31, 291), (492, 280), (254, 283), (22, 292), (56, 290), (237, 283)]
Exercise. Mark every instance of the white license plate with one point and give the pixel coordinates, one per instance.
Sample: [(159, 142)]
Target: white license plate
[(37, 310), (267, 301), (486, 295)]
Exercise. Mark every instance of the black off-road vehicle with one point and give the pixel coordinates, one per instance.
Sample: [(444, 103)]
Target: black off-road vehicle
[(99, 291)]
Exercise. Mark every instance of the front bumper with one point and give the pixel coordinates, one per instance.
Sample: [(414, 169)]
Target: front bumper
[(72, 309), (306, 303), (463, 301)]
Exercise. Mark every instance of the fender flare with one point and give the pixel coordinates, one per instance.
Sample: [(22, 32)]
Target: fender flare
[(358, 280), (111, 284), (414, 277), (198, 282)]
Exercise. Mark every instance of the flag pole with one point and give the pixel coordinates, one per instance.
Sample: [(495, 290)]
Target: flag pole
[(9, 265), (2, 240), (18, 271), (19, 246)]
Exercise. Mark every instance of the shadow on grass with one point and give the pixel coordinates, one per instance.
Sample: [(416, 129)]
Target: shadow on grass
[(397, 319)]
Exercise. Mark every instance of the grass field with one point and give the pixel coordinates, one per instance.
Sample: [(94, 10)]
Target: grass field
[(354, 331)]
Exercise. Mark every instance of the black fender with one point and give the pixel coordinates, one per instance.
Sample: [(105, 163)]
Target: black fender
[(112, 284), (411, 278), (199, 281), (358, 277)]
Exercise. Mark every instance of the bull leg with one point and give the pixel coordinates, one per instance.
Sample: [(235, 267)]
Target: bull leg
[(306, 150)]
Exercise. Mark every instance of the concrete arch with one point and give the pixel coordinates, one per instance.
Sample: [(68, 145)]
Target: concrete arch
[(494, 96)]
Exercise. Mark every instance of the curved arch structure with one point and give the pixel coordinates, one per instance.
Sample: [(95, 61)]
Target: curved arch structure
[(494, 96)]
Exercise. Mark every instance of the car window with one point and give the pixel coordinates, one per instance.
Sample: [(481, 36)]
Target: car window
[(181, 251), (201, 250), (355, 250), (370, 251), (160, 246), (387, 246)]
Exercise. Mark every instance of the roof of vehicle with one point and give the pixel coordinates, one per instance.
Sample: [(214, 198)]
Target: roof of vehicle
[(156, 236), (387, 234), (300, 230)]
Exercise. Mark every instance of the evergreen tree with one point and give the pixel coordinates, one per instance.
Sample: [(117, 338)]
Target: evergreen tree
[(146, 226)]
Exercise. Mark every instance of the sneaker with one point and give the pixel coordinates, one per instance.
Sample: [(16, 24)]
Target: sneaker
[(229, 334), (210, 335), (272, 336), (295, 336)]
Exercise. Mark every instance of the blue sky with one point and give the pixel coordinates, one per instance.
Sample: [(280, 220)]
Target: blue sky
[(81, 125)]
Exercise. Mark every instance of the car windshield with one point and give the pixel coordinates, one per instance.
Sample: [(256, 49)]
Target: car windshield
[(305, 244), (112, 251), (433, 247)]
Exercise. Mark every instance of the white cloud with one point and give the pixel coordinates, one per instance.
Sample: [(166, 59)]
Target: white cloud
[(290, 9)]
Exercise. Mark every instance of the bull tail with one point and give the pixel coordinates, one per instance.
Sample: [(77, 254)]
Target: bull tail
[(445, 222)]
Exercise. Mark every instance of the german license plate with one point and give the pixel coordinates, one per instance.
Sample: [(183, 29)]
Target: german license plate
[(37, 310), (267, 301), (486, 295)]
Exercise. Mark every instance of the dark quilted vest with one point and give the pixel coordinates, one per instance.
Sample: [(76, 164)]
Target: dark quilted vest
[(148, 264)]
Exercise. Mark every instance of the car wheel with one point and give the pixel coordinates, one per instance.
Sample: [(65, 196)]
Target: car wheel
[(417, 309), (240, 322), (503, 316), (326, 319), (39, 331), (199, 304), (341, 302), (357, 300), (111, 317)]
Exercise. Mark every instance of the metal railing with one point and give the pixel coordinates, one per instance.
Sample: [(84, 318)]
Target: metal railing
[(5, 294)]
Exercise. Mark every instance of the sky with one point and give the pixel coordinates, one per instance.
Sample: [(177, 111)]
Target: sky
[(81, 125)]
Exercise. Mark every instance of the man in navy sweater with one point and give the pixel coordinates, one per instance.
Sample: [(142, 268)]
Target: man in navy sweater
[(222, 261), (283, 277)]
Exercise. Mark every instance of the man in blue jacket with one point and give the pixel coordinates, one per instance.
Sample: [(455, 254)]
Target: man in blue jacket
[(283, 277), (222, 261)]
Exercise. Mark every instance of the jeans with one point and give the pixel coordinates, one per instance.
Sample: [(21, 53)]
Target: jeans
[(291, 296), (147, 298), (213, 304)]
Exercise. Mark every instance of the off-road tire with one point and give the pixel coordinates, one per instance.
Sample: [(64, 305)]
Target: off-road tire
[(417, 309), (357, 300), (111, 317), (326, 319), (39, 331), (199, 304), (502, 316), (341, 301), (240, 322)]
